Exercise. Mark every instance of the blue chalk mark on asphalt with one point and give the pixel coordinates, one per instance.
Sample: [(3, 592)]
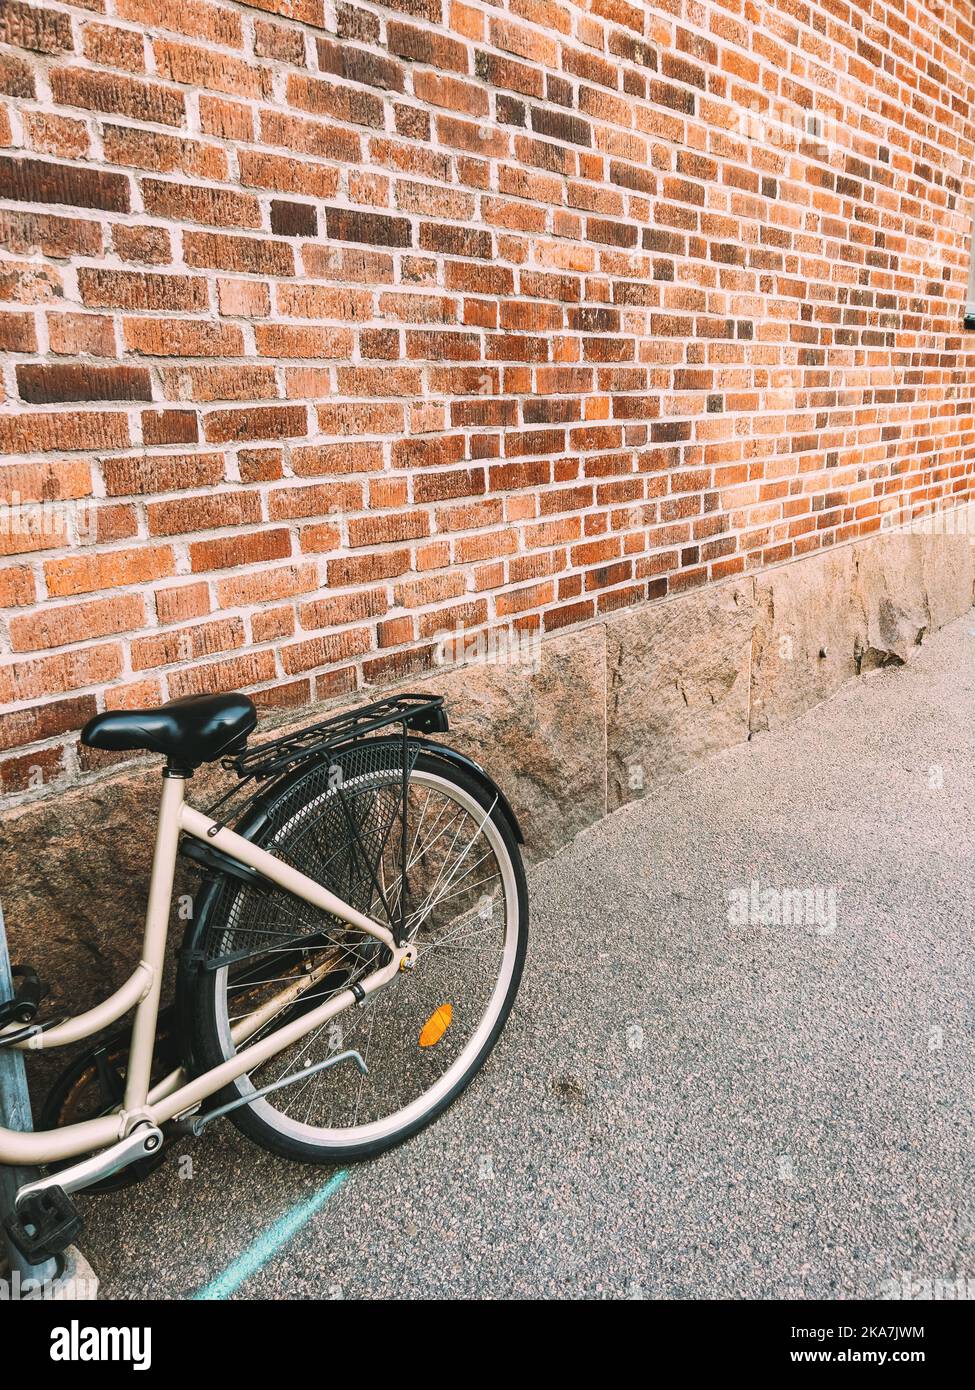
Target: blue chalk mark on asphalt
[(269, 1242)]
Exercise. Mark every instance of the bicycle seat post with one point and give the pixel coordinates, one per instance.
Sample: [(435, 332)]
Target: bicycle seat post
[(156, 933)]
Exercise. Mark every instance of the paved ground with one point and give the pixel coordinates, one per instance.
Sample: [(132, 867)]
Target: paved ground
[(689, 1101)]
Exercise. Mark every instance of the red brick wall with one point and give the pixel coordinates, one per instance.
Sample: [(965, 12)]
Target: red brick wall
[(327, 328)]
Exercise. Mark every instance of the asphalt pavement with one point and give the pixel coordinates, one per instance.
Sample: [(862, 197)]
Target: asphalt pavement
[(740, 1064)]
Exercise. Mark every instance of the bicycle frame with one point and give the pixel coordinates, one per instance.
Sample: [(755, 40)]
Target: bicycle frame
[(176, 1094)]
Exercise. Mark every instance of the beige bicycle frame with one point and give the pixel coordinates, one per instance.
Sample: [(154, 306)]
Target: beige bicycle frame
[(176, 1094)]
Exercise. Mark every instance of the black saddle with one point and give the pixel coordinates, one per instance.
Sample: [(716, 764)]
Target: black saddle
[(197, 729)]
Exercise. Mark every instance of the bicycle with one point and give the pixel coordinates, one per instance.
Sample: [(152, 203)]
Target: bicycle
[(353, 952)]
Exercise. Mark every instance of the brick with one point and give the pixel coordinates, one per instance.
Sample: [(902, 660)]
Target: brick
[(41, 181), (17, 333), (219, 383), (450, 92), (433, 346), (349, 264), (42, 384), (315, 501), (272, 624), (323, 460), (503, 72), (263, 586), (140, 694), (427, 453), (182, 338), (457, 482), (358, 65), (304, 11), (243, 298), (43, 767), (456, 241), (323, 302), (360, 418), (112, 569), (118, 96), (446, 621), (387, 527), (197, 67), (187, 644), (368, 568), (23, 233), (243, 548), (415, 593), (249, 669), (320, 538), (111, 46), (276, 41), (137, 289), (297, 341), (208, 512), (16, 587), (169, 427), (76, 622), (61, 672), (163, 153), (324, 651), (47, 720), (108, 524), (146, 245), (218, 251), (343, 608), (331, 99), (196, 19), (16, 76), (143, 474), (229, 120), (259, 465), (50, 133), (49, 481), (285, 174), (424, 46), (293, 219), (373, 228), (35, 27), (303, 136), (176, 604), (259, 422), (183, 202), (54, 430), (560, 125)]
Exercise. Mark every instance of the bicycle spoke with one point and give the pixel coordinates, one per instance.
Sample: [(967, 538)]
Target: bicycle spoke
[(354, 844)]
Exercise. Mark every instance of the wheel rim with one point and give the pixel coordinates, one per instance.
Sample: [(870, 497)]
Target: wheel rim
[(462, 912)]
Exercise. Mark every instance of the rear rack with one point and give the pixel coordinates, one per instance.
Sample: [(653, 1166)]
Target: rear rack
[(420, 712)]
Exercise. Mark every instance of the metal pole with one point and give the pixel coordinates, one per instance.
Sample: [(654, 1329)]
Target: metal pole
[(15, 1114)]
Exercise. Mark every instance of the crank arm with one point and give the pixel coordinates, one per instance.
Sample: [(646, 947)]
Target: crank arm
[(141, 1143)]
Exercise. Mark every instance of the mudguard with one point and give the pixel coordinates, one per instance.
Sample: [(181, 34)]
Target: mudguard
[(450, 755)]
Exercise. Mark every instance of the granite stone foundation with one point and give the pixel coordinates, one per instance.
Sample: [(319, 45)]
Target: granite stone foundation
[(572, 728)]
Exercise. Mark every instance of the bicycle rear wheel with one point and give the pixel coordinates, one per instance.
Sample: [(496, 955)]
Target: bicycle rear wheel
[(425, 1035)]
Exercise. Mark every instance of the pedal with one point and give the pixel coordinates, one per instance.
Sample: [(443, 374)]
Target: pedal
[(22, 1008), (44, 1224)]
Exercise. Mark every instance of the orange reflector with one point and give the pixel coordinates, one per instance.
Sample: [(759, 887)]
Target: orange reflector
[(436, 1025)]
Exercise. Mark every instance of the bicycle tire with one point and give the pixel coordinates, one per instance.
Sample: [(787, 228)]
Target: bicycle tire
[(211, 1013)]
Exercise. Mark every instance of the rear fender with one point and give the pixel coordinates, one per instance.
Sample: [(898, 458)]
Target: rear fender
[(450, 755)]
